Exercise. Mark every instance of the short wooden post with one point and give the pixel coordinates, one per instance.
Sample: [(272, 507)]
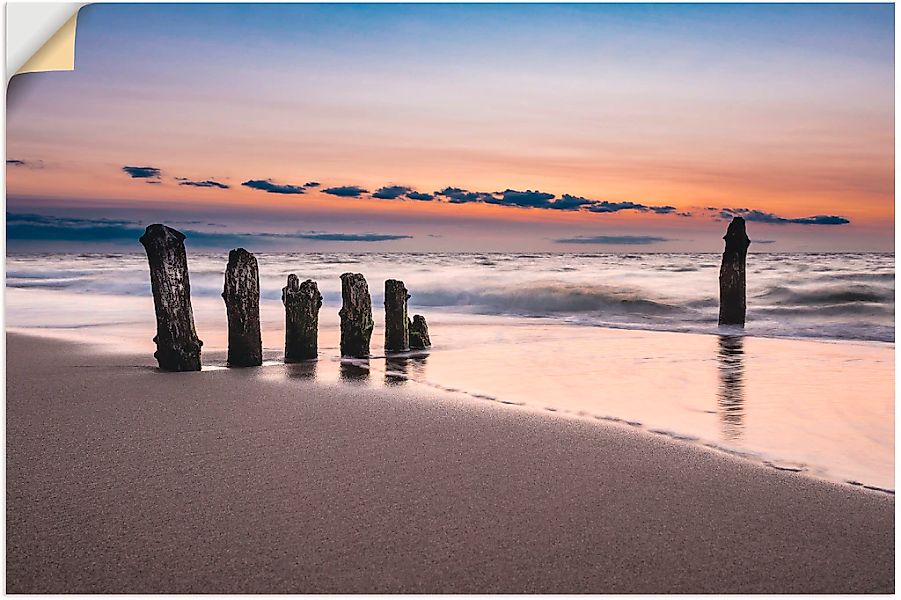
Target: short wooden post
[(419, 333), (177, 344), (397, 326), (732, 274), (302, 303), (356, 316), (242, 305)]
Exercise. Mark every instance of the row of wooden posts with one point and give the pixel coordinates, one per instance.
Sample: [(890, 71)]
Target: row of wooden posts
[(178, 347)]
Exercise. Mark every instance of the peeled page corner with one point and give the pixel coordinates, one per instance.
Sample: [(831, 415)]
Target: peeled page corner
[(57, 53)]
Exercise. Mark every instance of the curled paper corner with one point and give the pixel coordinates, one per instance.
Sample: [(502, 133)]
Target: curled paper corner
[(58, 52)]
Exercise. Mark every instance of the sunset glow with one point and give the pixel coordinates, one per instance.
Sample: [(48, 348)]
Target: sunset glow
[(786, 110)]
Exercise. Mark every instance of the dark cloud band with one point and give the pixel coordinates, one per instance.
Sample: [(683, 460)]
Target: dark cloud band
[(26, 227), (618, 240)]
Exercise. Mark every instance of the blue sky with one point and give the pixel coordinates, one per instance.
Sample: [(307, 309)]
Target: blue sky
[(787, 110)]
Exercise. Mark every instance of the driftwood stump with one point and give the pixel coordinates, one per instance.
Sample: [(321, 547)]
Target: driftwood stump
[(356, 316), (397, 327), (177, 344), (302, 303), (732, 274), (242, 304), (419, 333)]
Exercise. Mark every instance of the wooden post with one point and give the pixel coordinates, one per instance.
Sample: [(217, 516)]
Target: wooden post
[(242, 305), (177, 345), (732, 274), (419, 333), (356, 316), (302, 303), (397, 327)]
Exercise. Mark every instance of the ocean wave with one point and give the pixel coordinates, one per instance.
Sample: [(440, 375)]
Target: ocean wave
[(834, 296), (828, 294), (544, 298)]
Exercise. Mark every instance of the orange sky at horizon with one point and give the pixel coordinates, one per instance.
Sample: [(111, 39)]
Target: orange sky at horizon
[(691, 107)]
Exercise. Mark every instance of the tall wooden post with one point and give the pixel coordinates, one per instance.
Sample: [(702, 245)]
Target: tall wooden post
[(397, 328), (242, 305), (732, 274), (177, 344), (356, 316), (302, 303)]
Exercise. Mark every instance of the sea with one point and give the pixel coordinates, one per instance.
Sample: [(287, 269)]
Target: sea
[(630, 339)]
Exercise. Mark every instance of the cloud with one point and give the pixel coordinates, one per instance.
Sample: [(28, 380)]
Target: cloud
[(68, 221), (391, 192), (419, 196), (684, 214), (346, 191), (567, 202), (526, 199), (545, 200), (26, 227), (764, 241), (610, 207), (822, 220), (142, 172), (456, 195), (209, 183), (759, 216), (310, 184), (353, 237), (267, 185), (624, 240), (30, 164), (33, 227)]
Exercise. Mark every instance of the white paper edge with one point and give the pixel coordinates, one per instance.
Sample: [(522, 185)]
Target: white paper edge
[(29, 25)]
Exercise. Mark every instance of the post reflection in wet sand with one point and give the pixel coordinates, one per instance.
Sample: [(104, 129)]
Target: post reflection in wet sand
[(354, 371), (302, 370), (396, 369), (731, 392), (399, 369)]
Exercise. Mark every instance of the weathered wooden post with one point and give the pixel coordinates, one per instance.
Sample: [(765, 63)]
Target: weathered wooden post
[(397, 325), (242, 305), (302, 303), (177, 344), (356, 316), (732, 274), (419, 333)]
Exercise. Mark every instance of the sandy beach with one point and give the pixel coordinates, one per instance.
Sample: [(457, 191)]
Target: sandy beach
[(124, 479)]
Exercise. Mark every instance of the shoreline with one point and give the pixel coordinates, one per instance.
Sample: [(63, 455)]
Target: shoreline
[(214, 358), (298, 485)]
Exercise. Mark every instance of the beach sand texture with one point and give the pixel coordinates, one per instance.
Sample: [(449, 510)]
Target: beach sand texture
[(124, 479)]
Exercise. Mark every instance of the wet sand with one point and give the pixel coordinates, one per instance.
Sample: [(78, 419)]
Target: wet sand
[(124, 479)]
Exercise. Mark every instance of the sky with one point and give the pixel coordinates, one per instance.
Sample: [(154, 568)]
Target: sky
[(486, 127)]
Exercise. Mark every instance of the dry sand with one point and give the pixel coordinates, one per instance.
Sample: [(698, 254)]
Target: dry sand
[(124, 479)]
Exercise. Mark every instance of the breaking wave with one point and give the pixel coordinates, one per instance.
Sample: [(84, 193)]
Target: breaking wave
[(842, 296)]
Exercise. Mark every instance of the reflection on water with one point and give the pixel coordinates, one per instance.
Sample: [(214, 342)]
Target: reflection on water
[(396, 370), (400, 369), (301, 370), (731, 392), (354, 371)]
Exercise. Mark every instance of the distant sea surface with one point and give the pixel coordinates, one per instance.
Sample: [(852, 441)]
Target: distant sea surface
[(830, 296)]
